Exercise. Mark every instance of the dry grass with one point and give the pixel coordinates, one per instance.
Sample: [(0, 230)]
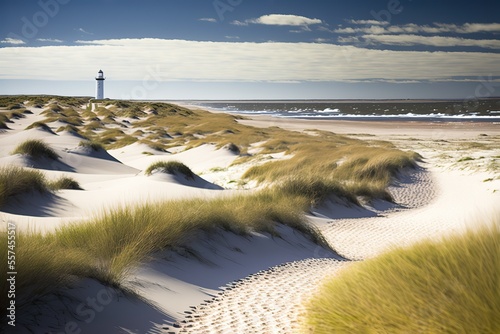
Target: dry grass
[(40, 125), (170, 167), (338, 165), (95, 146), (113, 138), (451, 286), (3, 126), (16, 180), (36, 149), (71, 129), (64, 182), (10, 115)]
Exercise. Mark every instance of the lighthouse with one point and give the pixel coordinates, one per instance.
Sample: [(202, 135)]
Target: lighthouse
[(99, 86)]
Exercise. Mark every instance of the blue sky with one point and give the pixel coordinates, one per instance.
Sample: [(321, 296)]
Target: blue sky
[(242, 49)]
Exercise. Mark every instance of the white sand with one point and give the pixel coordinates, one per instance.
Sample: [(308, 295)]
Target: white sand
[(237, 284)]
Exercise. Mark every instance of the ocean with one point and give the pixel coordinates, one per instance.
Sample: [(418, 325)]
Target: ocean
[(473, 110)]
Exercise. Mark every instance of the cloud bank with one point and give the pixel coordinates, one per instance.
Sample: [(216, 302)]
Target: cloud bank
[(176, 60), (381, 27), (437, 41)]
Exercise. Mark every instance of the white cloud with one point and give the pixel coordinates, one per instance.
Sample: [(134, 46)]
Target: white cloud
[(438, 41), (350, 39), (88, 42), (413, 28), (208, 19), (49, 40), (347, 30), (374, 29), (481, 27), (369, 22), (468, 28), (281, 20), (239, 23), (232, 37), (12, 41), (84, 31), (171, 60)]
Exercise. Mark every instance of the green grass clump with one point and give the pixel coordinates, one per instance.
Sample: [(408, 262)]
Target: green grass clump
[(15, 106), (134, 112), (315, 189), (15, 115), (64, 182), (40, 125), (16, 180), (450, 286), (36, 149), (71, 129), (94, 125), (53, 107), (170, 167), (4, 118), (3, 126), (96, 146), (114, 138)]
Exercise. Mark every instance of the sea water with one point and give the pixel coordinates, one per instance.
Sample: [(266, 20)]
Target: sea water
[(485, 110)]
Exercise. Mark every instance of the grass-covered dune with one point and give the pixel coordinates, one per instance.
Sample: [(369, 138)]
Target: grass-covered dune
[(450, 286), (15, 181), (36, 149), (106, 246), (170, 167)]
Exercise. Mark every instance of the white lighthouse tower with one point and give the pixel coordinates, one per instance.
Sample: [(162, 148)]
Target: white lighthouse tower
[(99, 86)]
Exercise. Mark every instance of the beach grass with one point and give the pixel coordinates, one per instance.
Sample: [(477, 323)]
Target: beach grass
[(93, 125), (39, 125), (113, 138), (36, 149), (71, 129), (170, 167), (95, 146), (3, 125), (64, 182), (9, 115), (16, 180), (111, 243), (447, 286), (352, 168)]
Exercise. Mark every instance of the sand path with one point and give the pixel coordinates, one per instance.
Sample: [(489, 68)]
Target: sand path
[(266, 302), (453, 200)]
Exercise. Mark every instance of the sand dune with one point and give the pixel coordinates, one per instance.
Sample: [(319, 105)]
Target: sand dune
[(222, 282)]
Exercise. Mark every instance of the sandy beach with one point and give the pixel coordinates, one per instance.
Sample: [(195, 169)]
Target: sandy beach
[(249, 283)]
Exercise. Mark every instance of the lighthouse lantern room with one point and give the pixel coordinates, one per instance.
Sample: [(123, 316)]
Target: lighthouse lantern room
[(99, 87)]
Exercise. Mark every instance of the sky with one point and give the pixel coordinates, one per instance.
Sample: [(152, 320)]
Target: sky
[(244, 49)]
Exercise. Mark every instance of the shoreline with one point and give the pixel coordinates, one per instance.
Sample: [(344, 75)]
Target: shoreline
[(427, 129), (383, 127)]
